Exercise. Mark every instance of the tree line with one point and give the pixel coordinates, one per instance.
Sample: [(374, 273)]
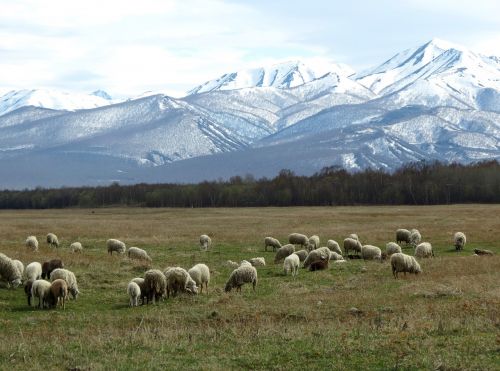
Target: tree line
[(422, 183)]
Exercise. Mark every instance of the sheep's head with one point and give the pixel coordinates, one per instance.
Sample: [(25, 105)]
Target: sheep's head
[(191, 287), (16, 282), (228, 287)]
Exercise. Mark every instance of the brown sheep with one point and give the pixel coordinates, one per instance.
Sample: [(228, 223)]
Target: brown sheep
[(59, 292), (319, 265), (27, 290), (49, 266)]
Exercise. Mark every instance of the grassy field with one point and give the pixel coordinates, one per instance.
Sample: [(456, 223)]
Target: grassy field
[(447, 318)]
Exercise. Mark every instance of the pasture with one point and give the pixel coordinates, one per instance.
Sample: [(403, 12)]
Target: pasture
[(446, 318)]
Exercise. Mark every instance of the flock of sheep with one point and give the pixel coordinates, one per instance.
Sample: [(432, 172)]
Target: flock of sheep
[(51, 283)]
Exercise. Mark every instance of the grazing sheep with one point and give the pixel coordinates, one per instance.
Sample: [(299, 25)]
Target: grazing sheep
[(313, 243), (49, 266), (232, 264), (273, 242), (19, 265), (283, 252), (415, 237), (9, 271), (134, 292), (70, 279), (200, 275), (302, 254), (240, 276), (137, 253), (41, 289), (319, 265), (33, 271), (205, 242), (245, 262), (32, 243), (59, 291), (155, 284), (483, 252), (115, 245), (334, 246), (52, 240), (321, 254), (459, 240), (354, 236), (27, 290), (424, 250), (370, 252), (258, 262), (298, 239), (352, 244), (335, 256), (178, 279), (404, 263), (392, 248), (76, 247), (140, 282), (403, 235), (291, 264)]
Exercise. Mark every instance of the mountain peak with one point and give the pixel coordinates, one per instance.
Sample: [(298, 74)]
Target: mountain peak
[(102, 94)]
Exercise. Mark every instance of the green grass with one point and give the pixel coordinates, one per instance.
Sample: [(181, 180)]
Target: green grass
[(446, 318)]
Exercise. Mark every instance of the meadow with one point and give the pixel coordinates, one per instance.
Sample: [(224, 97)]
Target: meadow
[(447, 318)]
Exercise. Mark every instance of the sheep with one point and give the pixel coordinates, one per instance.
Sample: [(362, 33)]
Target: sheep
[(483, 252), (415, 237), (33, 271), (335, 256), (240, 276), (319, 265), (59, 291), (76, 247), (313, 243), (205, 242), (32, 243), (245, 262), (283, 252), (459, 240), (41, 290), (351, 244), (291, 264), (334, 246), (273, 242), (403, 235), (9, 271), (52, 240), (200, 275), (115, 245), (70, 279), (20, 266), (137, 253), (258, 262), (302, 254), (140, 282), (27, 290), (178, 279), (323, 253), (49, 266), (370, 252), (232, 264), (298, 239), (404, 263), (392, 248), (134, 292), (354, 236), (424, 250), (155, 284)]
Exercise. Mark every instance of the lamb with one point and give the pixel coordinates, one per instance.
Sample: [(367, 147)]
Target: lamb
[(9, 271), (302, 254), (354, 236), (34, 271), (137, 253), (20, 266), (313, 243), (258, 262), (32, 243), (321, 254), (41, 290), (403, 235), (291, 264), (404, 263), (178, 279), (205, 242), (352, 244), (298, 239), (459, 240), (115, 245), (415, 237), (240, 276), (424, 250), (134, 292), (232, 264), (59, 292), (335, 256), (155, 284), (334, 246), (273, 242), (140, 282), (200, 275), (52, 240), (49, 266), (392, 248), (70, 279), (76, 247), (370, 252)]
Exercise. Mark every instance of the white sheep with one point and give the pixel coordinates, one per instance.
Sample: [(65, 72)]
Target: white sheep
[(317, 255), (70, 279), (178, 279), (20, 266), (115, 245), (137, 253), (41, 289), (32, 243), (205, 242), (335, 256), (155, 284), (404, 263), (200, 275), (240, 276), (76, 247), (52, 240), (424, 250), (334, 246), (415, 237), (283, 252), (140, 281), (9, 271), (354, 236), (313, 243), (134, 293), (352, 244), (33, 271), (245, 262), (302, 254), (258, 262), (273, 242), (392, 248), (403, 235), (291, 264), (459, 239), (231, 264), (370, 252), (298, 239)]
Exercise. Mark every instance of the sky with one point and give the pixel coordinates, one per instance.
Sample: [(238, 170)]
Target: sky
[(130, 47)]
